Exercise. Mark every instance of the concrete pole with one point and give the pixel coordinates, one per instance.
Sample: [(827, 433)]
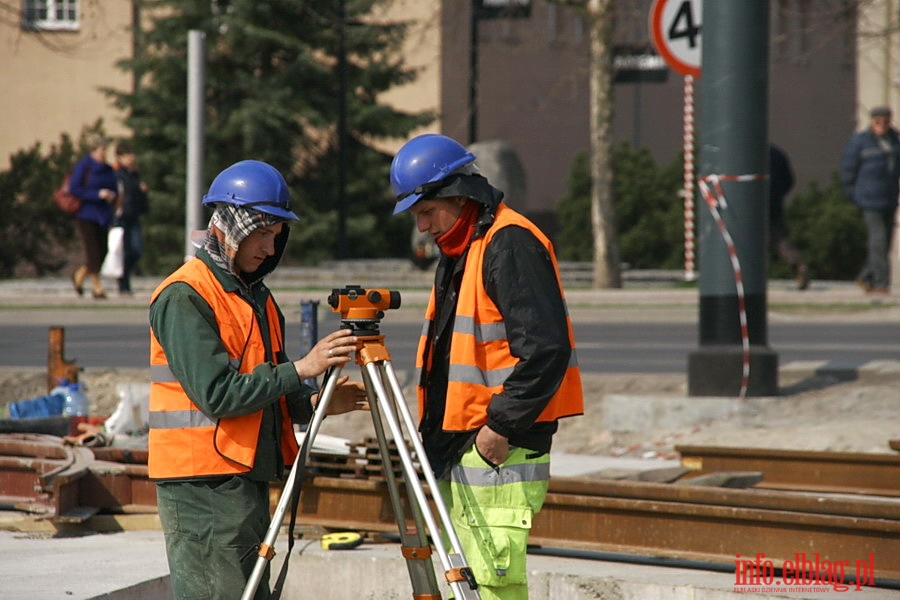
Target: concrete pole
[(733, 108), (196, 101)]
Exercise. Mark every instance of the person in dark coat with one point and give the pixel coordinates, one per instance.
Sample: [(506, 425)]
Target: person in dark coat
[(870, 176), (781, 181), (133, 205)]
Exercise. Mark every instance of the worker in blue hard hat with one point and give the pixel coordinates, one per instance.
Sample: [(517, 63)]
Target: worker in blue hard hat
[(223, 394), (496, 357)]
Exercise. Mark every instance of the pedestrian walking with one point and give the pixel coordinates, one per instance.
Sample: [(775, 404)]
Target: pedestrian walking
[(870, 176), (133, 204), (781, 181), (94, 182)]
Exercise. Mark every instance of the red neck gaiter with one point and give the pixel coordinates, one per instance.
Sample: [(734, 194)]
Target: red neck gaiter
[(454, 242)]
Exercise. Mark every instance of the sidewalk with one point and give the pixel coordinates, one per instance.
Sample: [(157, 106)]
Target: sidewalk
[(641, 288)]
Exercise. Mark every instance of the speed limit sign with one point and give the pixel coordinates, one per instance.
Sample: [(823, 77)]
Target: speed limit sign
[(675, 31)]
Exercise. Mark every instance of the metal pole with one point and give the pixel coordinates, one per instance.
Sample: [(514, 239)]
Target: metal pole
[(343, 247), (733, 356), (473, 74), (309, 330), (193, 211)]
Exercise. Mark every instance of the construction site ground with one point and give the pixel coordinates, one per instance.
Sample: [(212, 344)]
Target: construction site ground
[(835, 407)]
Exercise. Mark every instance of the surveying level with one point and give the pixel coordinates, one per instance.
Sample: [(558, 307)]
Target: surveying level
[(362, 310)]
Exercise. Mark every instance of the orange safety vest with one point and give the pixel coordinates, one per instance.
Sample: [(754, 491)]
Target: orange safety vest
[(184, 442), (480, 358)]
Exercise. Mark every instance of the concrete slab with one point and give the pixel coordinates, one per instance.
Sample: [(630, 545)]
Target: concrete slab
[(378, 571), (131, 565), (38, 566), (581, 465)]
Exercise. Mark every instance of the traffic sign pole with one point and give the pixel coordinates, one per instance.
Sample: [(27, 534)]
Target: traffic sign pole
[(675, 27), (688, 192)]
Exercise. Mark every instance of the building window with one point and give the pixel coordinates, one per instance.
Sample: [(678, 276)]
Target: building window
[(50, 14)]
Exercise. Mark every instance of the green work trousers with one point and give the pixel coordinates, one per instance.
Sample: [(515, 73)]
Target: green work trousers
[(491, 508), (212, 531)]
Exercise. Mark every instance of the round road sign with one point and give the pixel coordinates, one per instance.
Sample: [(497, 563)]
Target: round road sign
[(675, 31)]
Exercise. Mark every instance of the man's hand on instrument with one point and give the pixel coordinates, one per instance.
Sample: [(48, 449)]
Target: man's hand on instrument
[(333, 350)]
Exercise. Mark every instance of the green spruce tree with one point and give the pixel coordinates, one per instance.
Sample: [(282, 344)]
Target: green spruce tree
[(274, 78)]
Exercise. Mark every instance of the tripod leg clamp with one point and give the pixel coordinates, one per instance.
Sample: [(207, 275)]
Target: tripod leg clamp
[(410, 552), (266, 551), (461, 574)]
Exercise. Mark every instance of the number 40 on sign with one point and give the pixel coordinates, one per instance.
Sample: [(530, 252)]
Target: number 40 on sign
[(675, 30)]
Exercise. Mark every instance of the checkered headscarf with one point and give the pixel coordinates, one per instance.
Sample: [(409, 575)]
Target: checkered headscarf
[(229, 226)]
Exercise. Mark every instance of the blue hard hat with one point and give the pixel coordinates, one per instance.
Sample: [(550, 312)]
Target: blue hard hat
[(425, 159), (252, 184)]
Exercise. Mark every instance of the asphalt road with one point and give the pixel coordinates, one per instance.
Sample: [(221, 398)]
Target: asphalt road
[(604, 347)]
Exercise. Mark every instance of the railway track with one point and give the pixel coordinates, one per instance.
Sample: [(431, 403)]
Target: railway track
[(797, 470), (66, 485)]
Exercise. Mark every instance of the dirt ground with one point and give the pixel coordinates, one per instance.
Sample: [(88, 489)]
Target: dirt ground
[(812, 413)]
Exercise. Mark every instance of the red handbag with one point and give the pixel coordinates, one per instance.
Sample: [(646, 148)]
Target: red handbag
[(65, 200)]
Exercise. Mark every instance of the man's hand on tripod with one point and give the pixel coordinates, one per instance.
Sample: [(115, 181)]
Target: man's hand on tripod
[(347, 396), (332, 351)]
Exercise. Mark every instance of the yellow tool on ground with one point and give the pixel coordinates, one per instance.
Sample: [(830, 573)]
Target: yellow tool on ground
[(344, 540)]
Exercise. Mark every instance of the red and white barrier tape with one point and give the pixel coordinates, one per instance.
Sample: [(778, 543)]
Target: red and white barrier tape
[(715, 201), (688, 190)]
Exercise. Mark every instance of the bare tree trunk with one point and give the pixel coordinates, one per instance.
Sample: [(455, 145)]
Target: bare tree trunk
[(607, 271)]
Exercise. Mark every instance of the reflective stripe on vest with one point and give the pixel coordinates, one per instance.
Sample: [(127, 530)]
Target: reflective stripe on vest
[(480, 357), (482, 476), (176, 419), (185, 442), (520, 482)]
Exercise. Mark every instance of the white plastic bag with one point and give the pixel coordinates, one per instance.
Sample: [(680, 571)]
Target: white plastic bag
[(132, 414), (114, 263)]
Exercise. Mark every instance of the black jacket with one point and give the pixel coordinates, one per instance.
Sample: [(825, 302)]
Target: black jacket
[(134, 200), (521, 280)]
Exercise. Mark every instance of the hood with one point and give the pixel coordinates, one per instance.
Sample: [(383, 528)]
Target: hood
[(229, 226), (474, 187)]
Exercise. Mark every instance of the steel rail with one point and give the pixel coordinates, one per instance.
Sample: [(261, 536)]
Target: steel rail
[(686, 522), (68, 484), (833, 472), (697, 523)]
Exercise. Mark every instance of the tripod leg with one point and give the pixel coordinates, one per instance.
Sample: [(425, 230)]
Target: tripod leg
[(427, 472), (267, 548), (456, 571), (414, 541)]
